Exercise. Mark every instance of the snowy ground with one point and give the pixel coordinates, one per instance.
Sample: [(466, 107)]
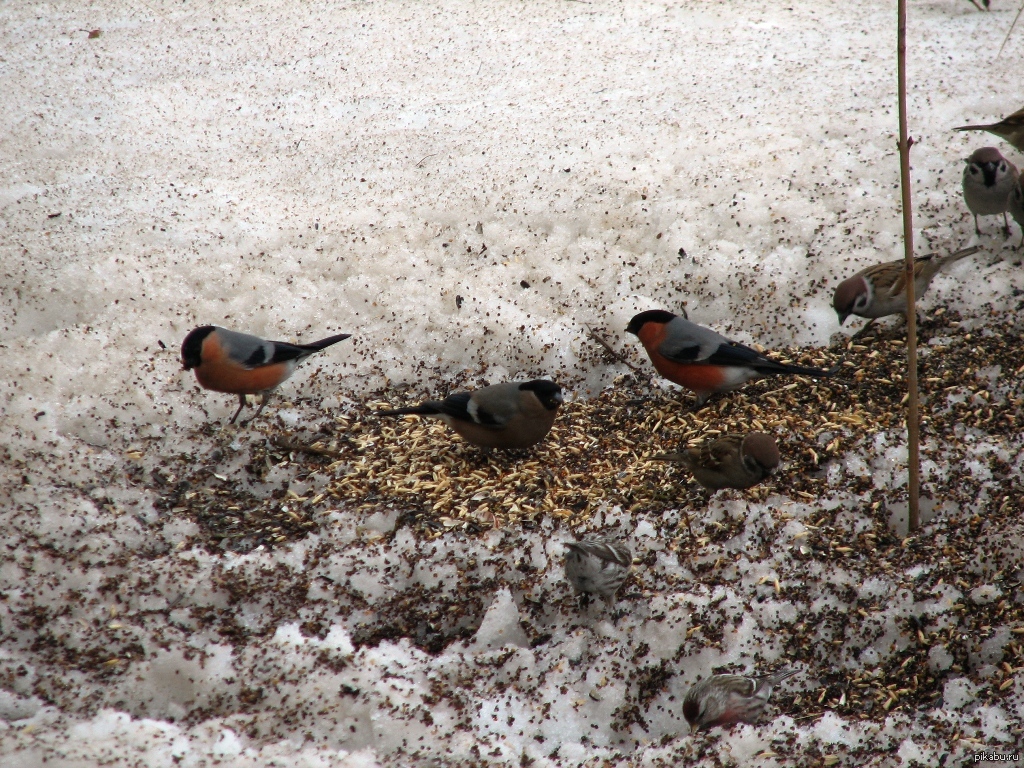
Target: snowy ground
[(468, 189)]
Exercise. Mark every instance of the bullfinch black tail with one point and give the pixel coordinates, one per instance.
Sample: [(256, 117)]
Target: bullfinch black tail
[(316, 346), (284, 351), (426, 409)]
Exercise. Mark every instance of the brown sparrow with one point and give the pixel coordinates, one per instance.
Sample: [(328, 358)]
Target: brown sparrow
[(731, 461), (880, 290), (1016, 206), (988, 179)]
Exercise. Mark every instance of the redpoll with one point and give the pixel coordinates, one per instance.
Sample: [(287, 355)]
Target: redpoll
[(727, 699)]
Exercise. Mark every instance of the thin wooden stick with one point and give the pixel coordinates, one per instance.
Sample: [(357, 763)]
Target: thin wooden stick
[(608, 348), (913, 424), (293, 445), (1010, 30)]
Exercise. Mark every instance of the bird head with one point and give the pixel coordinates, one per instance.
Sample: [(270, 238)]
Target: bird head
[(851, 296), (192, 347), (650, 316)]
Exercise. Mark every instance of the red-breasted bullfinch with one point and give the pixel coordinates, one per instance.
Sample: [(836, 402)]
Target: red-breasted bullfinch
[(700, 359), (240, 364), (731, 461), (510, 415)]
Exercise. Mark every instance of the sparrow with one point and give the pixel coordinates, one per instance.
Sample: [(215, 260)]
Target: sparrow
[(598, 565), (881, 289), (510, 415), (988, 180), (1009, 129), (731, 461), (240, 364), (1016, 206), (702, 360), (727, 699)]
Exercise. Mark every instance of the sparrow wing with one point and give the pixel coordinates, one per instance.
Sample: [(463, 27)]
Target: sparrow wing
[(725, 451)]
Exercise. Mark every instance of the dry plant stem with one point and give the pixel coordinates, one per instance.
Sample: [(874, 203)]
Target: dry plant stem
[(913, 426), (293, 445), (1010, 30), (608, 348)]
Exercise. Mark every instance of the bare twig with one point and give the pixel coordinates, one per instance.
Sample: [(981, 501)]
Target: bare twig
[(1010, 30), (608, 348), (292, 445), (913, 423)]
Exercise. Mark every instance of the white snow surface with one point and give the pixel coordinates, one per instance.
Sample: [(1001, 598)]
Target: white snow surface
[(464, 187)]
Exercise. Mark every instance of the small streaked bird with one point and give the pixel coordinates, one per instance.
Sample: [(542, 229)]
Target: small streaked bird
[(702, 360), (598, 565), (510, 415), (988, 180), (726, 699), (240, 364), (881, 289), (731, 461), (1010, 129), (1016, 205)]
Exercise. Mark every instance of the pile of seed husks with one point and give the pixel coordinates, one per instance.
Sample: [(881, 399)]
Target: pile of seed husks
[(598, 455)]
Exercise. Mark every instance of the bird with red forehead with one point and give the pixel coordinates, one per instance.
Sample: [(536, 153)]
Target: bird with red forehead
[(703, 361), (723, 700), (240, 364)]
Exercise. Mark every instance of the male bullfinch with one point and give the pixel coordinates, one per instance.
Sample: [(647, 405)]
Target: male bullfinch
[(240, 364), (702, 360), (731, 461), (510, 415)]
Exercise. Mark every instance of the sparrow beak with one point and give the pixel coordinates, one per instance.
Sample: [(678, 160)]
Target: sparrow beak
[(842, 316)]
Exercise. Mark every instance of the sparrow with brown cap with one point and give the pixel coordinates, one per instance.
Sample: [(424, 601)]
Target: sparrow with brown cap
[(988, 180), (881, 289)]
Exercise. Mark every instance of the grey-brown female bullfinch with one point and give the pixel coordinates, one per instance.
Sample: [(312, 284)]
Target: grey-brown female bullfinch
[(240, 364), (731, 461), (702, 360), (510, 415), (727, 699), (881, 289), (597, 564)]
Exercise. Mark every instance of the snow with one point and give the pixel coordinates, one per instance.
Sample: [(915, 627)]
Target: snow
[(466, 188)]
